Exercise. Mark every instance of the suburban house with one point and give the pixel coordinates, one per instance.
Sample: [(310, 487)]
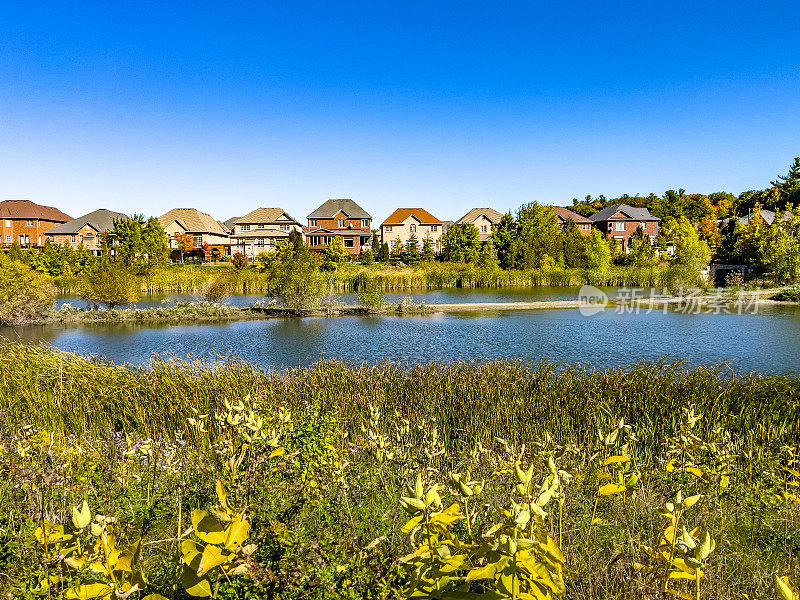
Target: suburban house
[(202, 227), (230, 223), (26, 222), (562, 214), (340, 217), (261, 230), (404, 222), (86, 230), (620, 222), (484, 220)]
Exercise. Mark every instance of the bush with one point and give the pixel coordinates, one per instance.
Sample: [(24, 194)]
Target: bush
[(109, 282), (240, 261), (371, 296), (24, 294), (216, 289)]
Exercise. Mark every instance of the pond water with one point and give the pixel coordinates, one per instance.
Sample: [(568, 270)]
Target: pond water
[(767, 341)]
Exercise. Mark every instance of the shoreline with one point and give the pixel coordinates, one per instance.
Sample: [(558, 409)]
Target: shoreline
[(203, 313)]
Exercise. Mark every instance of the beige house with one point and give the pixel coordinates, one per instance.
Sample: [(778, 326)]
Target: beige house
[(483, 219), (203, 228), (404, 222), (262, 230)]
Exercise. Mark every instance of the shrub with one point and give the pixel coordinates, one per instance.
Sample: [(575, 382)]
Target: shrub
[(109, 282), (240, 261), (24, 294)]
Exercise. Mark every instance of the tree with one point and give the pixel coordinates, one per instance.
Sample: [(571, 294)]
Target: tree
[(779, 247), (240, 261), (598, 251), (334, 254), (537, 232), (428, 253), (295, 277), (366, 257), (24, 293), (412, 255), (572, 245), (140, 244), (503, 235), (460, 243), (787, 186), (295, 239), (184, 242), (15, 251), (487, 258), (376, 247), (110, 282), (641, 252), (397, 251), (691, 254)]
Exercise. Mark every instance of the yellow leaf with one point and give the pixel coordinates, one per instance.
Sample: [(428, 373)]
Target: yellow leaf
[(81, 517), (695, 471), (611, 489), (786, 589), (89, 591), (611, 460), (212, 557), (199, 587), (237, 532), (488, 571), (278, 452), (209, 529)]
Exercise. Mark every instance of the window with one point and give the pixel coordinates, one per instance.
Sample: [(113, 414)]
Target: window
[(198, 240), (434, 228), (8, 222), (643, 225), (73, 238), (342, 224), (260, 242), (412, 228), (261, 226), (388, 229), (284, 228), (312, 222), (483, 228), (586, 226), (28, 223), (244, 227), (619, 225), (348, 243), (8, 239), (364, 223)]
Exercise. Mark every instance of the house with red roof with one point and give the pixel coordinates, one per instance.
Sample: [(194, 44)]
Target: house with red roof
[(26, 222), (398, 228)]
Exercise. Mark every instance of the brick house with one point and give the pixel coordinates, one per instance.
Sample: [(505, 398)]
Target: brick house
[(340, 217), (484, 219), (261, 230), (620, 222), (86, 230), (402, 223), (562, 214), (26, 222), (203, 228)]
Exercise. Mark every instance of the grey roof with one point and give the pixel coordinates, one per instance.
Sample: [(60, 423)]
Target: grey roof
[(330, 208), (634, 213), (229, 223), (100, 220), (767, 215)]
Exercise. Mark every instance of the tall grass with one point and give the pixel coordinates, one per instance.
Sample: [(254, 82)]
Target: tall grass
[(470, 400), (352, 278)]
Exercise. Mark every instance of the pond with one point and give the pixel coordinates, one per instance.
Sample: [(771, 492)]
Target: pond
[(767, 341)]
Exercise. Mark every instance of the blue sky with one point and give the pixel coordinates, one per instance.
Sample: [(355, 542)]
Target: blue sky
[(142, 107)]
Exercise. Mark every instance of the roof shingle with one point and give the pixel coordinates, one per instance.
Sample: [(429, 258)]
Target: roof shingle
[(193, 221), (401, 214), (101, 220), (489, 213), (330, 208), (25, 209), (634, 213)]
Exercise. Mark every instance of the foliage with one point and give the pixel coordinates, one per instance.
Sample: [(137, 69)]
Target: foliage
[(411, 255), (334, 254), (24, 293), (140, 243), (460, 243), (240, 261), (691, 254), (109, 282), (295, 277)]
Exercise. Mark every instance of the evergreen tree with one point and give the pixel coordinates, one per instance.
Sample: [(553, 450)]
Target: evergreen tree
[(788, 186), (384, 252), (537, 233), (487, 258), (428, 253), (15, 251), (397, 251), (503, 235), (412, 254)]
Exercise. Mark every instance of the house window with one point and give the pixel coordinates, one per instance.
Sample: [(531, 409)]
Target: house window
[(244, 227), (348, 243), (619, 225), (312, 222), (260, 242), (284, 228), (643, 225), (73, 238), (438, 246), (198, 240), (342, 224), (364, 223), (586, 226), (8, 222), (8, 239), (261, 226), (388, 229), (28, 223), (412, 228), (434, 228), (483, 228)]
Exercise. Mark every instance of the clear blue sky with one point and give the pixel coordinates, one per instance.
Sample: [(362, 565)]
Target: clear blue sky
[(227, 106)]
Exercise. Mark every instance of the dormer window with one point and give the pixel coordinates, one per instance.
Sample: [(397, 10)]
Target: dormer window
[(312, 222), (342, 224), (364, 223)]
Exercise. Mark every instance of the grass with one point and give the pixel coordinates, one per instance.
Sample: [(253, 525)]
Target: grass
[(352, 278), (357, 434)]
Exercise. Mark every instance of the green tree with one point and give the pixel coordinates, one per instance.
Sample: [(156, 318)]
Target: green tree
[(787, 187), (109, 282), (15, 251), (412, 255), (428, 253), (460, 243), (691, 254), (503, 235), (779, 247), (536, 238), (641, 252), (295, 277), (572, 245), (598, 251), (24, 293), (334, 254), (487, 258), (139, 243)]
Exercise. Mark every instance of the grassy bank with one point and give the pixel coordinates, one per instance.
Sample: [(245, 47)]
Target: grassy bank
[(321, 457), (352, 278)]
